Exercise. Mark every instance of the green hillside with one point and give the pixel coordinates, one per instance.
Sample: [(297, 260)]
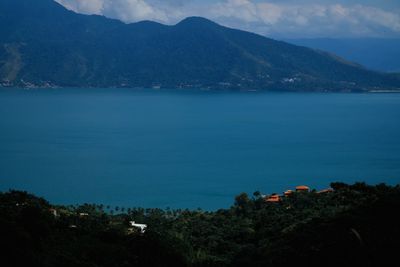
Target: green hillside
[(353, 225), (43, 44)]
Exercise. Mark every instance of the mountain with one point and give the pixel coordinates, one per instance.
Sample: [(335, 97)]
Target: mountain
[(44, 44), (378, 54)]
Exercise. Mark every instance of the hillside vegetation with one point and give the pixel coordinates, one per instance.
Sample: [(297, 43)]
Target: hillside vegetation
[(42, 44), (355, 225)]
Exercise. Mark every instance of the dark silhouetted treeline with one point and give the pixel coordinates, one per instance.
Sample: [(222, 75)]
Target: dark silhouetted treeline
[(355, 225)]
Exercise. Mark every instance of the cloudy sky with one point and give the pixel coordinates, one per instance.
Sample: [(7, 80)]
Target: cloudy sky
[(275, 18)]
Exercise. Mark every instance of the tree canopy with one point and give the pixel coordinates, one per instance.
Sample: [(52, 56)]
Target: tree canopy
[(352, 224)]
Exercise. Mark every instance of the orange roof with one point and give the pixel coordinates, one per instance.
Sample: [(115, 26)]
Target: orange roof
[(325, 191), (288, 192), (273, 198), (302, 187)]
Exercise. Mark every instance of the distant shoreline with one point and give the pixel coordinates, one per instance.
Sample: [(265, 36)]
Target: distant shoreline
[(210, 90), (384, 91)]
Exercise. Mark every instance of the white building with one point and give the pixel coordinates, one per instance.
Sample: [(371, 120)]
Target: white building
[(142, 227)]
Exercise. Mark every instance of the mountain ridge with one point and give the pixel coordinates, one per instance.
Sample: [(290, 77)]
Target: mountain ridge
[(47, 45), (379, 54)]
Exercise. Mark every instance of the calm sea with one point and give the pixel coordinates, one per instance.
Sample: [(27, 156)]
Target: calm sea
[(188, 150)]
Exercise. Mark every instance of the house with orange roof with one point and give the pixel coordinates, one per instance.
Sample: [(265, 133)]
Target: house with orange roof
[(288, 192), (302, 188), (328, 190), (273, 198)]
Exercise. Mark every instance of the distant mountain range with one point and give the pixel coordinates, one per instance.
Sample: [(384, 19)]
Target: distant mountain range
[(378, 54), (43, 44)]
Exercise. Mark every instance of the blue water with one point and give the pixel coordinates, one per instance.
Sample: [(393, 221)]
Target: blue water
[(188, 150)]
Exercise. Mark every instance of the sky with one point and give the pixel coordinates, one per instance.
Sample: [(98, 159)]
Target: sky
[(273, 18)]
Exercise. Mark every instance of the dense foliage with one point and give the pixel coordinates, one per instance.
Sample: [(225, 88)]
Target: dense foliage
[(43, 44), (355, 224)]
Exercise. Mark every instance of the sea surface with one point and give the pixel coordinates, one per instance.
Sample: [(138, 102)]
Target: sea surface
[(191, 149)]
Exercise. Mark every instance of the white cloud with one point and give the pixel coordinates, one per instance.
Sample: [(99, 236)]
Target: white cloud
[(276, 18), (132, 10), (244, 10), (125, 10), (270, 13), (85, 7)]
